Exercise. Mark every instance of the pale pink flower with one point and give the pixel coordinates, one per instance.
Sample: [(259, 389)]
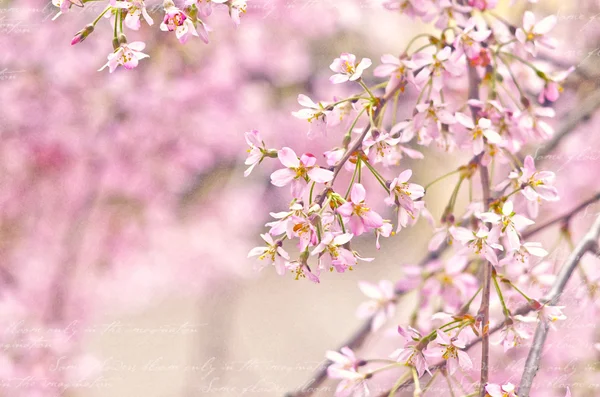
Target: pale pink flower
[(126, 55), (176, 20), (449, 349), (256, 152), (346, 68), (332, 254), (382, 305), (204, 6), (481, 242), (533, 34), (474, 32), (507, 390), (353, 384), (301, 269), (403, 194), (236, 7), (483, 129), (399, 71), (304, 230), (345, 359), (538, 185), (552, 87), (361, 218), (379, 147), (285, 221), (385, 230), (272, 252), (316, 115), (135, 10), (452, 285), (483, 4), (411, 8), (428, 122), (298, 171), (409, 354), (436, 66), (513, 335), (509, 224)]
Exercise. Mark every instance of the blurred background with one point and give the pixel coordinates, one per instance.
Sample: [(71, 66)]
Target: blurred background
[(125, 219)]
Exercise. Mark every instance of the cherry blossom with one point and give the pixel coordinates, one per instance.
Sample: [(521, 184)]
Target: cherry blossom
[(533, 34), (361, 218), (410, 354), (403, 194), (436, 66), (126, 55), (481, 242), (509, 223), (176, 20), (298, 171), (507, 390), (332, 253), (398, 70), (382, 305), (449, 349), (272, 252), (346, 68), (478, 132), (345, 359)]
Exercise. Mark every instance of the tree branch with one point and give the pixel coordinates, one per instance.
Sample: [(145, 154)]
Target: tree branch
[(588, 244)]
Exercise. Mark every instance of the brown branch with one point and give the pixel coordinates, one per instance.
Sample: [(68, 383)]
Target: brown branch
[(563, 219)]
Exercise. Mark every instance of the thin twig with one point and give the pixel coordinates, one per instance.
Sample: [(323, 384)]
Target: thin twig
[(563, 219), (588, 244)]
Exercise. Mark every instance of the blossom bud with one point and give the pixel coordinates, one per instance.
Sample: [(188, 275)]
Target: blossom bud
[(122, 39), (82, 34)]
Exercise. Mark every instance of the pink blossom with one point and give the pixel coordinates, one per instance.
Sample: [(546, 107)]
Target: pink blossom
[(298, 171), (204, 6), (552, 87), (382, 305), (346, 68), (127, 55), (362, 219), (316, 115), (532, 34), (236, 7), (273, 252), (478, 131), (513, 335), (385, 230), (352, 383), (449, 349), (452, 285), (509, 223), (332, 254), (411, 8), (345, 359), (403, 194), (436, 66), (135, 10), (494, 390), (176, 20), (538, 185), (256, 152), (474, 32), (409, 354), (481, 242), (429, 121), (399, 71), (483, 4)]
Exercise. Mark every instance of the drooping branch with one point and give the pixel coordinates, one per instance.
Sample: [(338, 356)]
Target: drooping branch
[(588, 244)]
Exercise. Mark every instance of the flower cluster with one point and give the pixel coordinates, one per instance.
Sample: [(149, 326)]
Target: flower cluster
[(186, 22), (491, 122)]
